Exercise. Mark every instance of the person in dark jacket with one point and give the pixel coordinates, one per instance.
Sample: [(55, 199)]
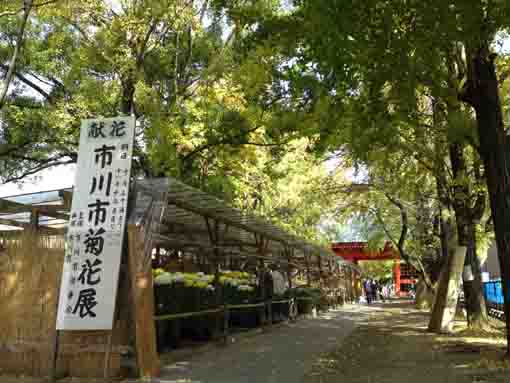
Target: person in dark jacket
[(367, 286), (373, 288)]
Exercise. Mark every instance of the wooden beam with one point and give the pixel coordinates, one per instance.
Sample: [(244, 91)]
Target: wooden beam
[(54, 211), (34, 219), (67, 196), (28, 226), (14, 223)]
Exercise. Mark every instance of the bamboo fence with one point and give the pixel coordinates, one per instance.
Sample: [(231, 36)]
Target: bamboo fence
[(30, 272)]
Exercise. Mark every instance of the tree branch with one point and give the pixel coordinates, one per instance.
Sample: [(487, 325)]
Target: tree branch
[(19, 42), (7, 149), (39, 167), (143, 47), (212, 144), (203, 10), (9, 13), (26, 81), (44, 3), (403, 236)]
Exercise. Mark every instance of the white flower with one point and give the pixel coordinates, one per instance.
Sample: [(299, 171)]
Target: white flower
[(210, 287)]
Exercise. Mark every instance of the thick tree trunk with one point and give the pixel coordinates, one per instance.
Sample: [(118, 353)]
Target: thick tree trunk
[(482, 92), (445, 303), (466, 232), (475, 301), (424, 295)]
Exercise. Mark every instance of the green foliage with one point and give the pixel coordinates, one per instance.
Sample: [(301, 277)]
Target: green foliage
[(378, 270), (211, 107), (244, 99)]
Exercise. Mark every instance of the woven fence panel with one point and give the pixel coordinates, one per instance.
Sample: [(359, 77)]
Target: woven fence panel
[(30, 270)]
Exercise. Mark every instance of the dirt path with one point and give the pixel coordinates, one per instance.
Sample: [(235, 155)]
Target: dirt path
[(384, 343), (283, 354), (392, 346)]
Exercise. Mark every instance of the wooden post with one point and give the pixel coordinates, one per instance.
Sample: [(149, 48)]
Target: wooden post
[(269, 305), (319, 264), (290, 255), (262, 245), (289, 267), (213, 229), (396, 277), (352, 286), (218, 293), (108, 351), (34, 219), (307, 264), (55, 351), (142, 294), (262, 292), (53, 373), (226, 318)]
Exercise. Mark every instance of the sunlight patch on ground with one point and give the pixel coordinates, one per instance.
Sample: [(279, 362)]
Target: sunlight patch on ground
[(478, 340), (493, 361), (178, 381)]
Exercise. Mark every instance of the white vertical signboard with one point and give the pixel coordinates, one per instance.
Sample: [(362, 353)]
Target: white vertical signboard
[(96, 225)]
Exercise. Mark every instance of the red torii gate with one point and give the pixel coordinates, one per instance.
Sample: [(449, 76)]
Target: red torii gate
[(358, 251)]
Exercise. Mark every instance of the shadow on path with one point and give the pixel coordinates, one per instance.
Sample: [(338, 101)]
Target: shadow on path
[(283, 354), (392, 345)]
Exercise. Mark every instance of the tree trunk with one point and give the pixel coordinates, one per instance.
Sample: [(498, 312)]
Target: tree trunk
[(127, 96), (482, 92), (475, 300), (403, 236), (445, 303), (424, 295), (466, 232), (445, 227), (446, 232)]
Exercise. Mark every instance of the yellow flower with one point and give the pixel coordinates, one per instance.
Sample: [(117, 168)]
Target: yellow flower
[(200, 284), (157, 272)]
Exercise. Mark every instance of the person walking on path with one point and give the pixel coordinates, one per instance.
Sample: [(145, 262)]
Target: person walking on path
[(367, 285), (373, 289), (380, 291)]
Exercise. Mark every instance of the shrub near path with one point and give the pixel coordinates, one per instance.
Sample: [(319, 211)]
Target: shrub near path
[(393, 346)]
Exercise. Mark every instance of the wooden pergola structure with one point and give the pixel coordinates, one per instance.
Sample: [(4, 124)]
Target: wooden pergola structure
[(169, 214), (46, 211)]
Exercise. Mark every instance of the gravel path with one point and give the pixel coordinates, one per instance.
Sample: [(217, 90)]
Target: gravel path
[(283, 354)]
